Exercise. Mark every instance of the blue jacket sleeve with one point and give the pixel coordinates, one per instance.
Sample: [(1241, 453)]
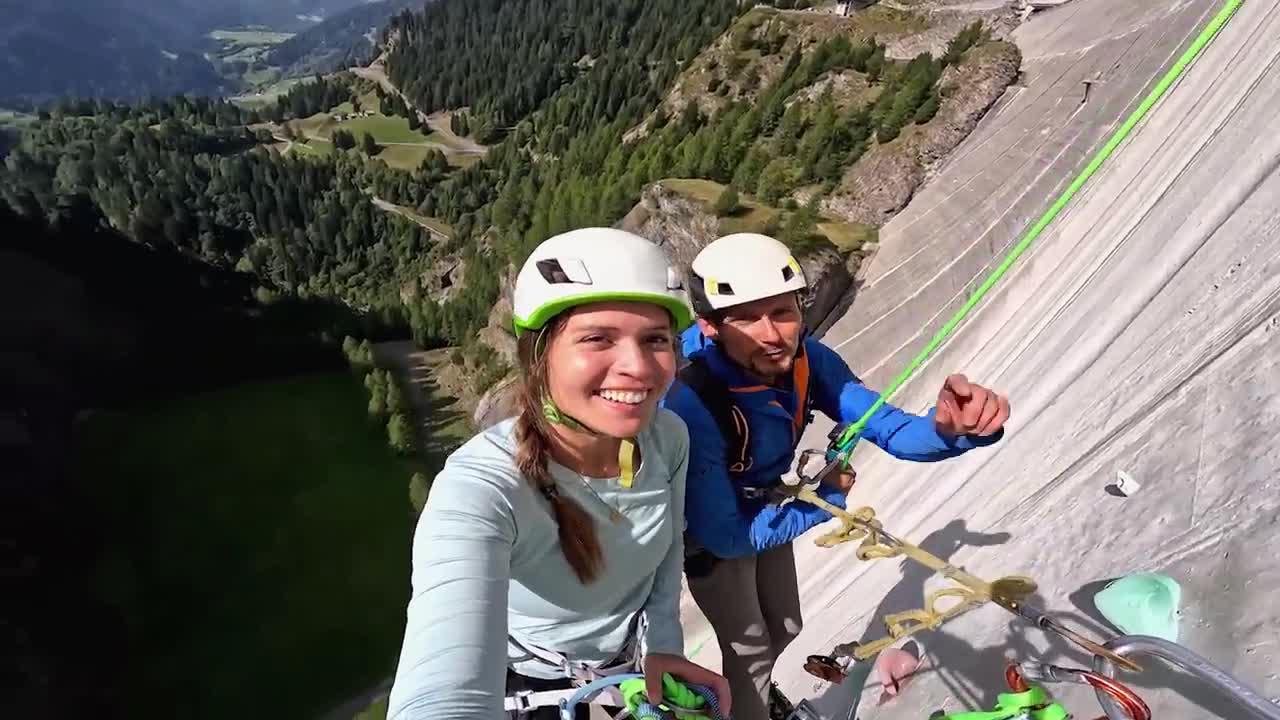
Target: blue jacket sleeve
[(716, 520), (842, 396)]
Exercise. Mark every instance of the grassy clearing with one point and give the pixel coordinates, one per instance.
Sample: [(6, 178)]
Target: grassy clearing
[(368, 101), (320, 124), (269, 93), (449, 427), (404, 157), (256, 546), (884, 20), (435, 224), (263, 77), (440, 122), (849, 237), (250, 37), (383, 128), (753, 216), (313, 148)]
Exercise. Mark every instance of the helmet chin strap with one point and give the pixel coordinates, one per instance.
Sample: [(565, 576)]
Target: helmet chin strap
[(626, 446)]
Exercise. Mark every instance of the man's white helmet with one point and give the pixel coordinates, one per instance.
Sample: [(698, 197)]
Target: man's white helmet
[(740, 268), (593, 265)]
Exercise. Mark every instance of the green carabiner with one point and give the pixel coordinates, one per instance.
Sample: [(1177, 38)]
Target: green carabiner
[(1034, 704)]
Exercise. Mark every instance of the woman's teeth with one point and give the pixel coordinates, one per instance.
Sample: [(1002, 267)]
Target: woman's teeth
[(629, 397)]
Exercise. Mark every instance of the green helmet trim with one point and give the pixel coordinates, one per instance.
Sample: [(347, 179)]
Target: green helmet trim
[(680, 312)]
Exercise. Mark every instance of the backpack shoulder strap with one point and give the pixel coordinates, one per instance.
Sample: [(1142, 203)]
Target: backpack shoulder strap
[(715, 395)]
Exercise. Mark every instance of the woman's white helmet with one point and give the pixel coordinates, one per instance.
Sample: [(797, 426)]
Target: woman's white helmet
[(593, 265), (739, 268)]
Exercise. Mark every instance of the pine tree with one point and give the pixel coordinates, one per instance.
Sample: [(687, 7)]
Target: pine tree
[(419, 488), (375, 382), (395, 398), (400, 434), (748, 173), (775, 181), (727, 203), (800, 225), (784, 138)]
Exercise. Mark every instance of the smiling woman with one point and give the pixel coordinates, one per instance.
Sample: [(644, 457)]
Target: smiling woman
[(550, 550)]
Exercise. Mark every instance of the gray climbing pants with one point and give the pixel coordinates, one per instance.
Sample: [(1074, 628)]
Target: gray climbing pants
[(753, 603)]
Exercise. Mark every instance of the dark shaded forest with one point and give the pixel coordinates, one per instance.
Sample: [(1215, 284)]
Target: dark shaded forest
[(92, 321)]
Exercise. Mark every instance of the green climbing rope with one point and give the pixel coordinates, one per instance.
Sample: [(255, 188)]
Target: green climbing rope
[(679, 701), (1034, 704), (846, 440)]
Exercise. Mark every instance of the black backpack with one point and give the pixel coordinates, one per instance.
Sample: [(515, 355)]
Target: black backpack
[(715, 395)]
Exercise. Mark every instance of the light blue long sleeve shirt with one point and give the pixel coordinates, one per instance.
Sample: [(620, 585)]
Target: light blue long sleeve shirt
[(487, 566)]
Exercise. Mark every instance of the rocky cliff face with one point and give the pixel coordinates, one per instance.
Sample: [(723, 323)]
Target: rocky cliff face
[(881, 183), (499, 333), (682, 227), (498, 404)]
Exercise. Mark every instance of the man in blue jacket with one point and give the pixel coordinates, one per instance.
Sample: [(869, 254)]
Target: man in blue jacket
[(750, 388)]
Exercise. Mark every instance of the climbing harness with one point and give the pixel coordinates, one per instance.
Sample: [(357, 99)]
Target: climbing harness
[(520, 702)]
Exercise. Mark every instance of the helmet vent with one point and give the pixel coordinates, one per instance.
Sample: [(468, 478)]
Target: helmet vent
[(724, 288), (570, 271), (787, 273)]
